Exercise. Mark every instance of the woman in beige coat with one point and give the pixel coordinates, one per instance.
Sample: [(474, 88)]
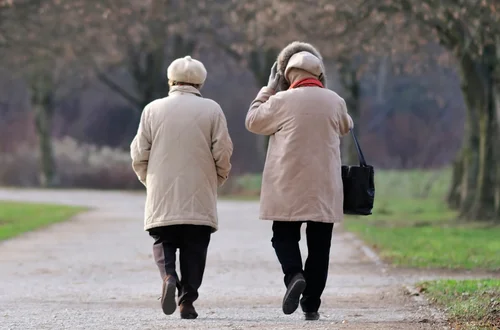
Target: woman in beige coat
[(182, 154), (302, 180)]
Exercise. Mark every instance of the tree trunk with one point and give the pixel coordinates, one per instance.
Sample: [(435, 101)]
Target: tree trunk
[(148, 67), (352, 87), (383, 70), (454, 198), (496, 137), (476, 194), (353, 107), (43, 105)]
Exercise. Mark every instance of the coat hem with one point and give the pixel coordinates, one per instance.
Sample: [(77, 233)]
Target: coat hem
[(165, 223)]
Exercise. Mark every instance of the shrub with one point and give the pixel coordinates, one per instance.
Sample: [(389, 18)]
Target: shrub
[(78, 166)]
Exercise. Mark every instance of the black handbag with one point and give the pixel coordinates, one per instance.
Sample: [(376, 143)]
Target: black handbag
[(359, 185)]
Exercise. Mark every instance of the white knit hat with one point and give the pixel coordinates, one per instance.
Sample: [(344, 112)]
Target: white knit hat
[(187, 70), (307, 62)]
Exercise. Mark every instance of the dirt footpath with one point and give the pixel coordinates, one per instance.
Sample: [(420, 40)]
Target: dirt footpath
[(97, 272)]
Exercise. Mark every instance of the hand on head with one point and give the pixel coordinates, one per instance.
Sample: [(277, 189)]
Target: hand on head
[(274, 77)]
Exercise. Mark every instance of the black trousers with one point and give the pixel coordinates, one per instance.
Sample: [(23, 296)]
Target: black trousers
[(286, 237), (192, 242)]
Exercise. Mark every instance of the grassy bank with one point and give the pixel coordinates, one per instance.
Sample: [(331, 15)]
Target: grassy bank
[(411, 224), (17, 218), (469, 304)]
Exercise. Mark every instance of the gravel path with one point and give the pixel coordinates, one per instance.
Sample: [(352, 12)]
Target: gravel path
[(97, 272)]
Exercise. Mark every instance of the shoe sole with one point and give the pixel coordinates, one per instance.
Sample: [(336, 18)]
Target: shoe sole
[(292, 296), (315, 318), (168, 304), (189, 316)]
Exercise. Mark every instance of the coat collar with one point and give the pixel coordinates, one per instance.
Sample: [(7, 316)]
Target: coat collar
[(181, 89)]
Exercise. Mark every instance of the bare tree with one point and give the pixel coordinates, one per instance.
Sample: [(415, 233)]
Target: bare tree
[(140, 38), (40, 51), (470, 31)]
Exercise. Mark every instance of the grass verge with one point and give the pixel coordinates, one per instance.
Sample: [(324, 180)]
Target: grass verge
[(17, 218), (469, 304), (424, 233), (412, 226)]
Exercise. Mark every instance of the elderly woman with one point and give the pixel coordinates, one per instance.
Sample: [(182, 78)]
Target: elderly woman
[(302, 180), (182, 154)]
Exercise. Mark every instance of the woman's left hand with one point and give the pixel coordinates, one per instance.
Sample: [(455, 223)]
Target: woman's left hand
[(274, 77)]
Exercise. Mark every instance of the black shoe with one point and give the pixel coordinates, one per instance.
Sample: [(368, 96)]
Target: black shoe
[(292, 296), (187, 311), (168, 304), (311, 316)]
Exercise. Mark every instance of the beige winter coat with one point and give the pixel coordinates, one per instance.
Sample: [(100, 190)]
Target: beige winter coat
[(182, 154), (302, 174)]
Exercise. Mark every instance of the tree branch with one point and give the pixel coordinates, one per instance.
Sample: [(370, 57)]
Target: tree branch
[(119, 90)]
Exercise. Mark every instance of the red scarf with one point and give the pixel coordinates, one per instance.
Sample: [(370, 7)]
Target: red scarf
[(307, 82)]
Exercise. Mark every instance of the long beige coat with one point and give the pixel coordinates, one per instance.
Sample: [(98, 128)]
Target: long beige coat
[(302, 174), (182, 154)]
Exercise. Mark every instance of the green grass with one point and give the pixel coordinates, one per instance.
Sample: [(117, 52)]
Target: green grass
[(18, 218), (470, 304), (411, 225), (250, 182), (245, 187), (240, 198)]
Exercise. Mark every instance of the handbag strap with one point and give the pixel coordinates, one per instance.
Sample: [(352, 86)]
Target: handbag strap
[(362, 161)]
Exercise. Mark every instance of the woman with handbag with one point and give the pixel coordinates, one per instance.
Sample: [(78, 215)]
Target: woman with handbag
[(302, 180)]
